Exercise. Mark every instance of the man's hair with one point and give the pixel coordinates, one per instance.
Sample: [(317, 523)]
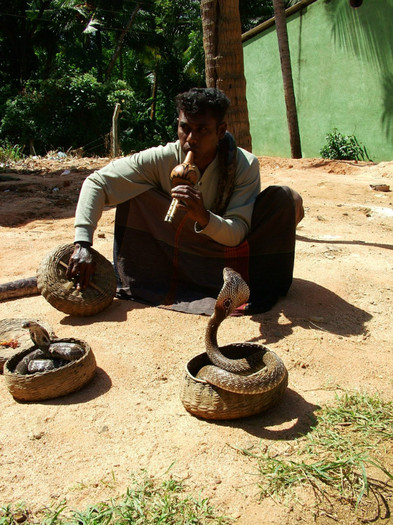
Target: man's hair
[(203, 100)]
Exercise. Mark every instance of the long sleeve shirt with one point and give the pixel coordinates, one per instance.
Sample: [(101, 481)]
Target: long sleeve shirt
[(128, 177)]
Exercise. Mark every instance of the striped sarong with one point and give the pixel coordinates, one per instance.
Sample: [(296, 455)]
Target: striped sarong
[(170, 265)]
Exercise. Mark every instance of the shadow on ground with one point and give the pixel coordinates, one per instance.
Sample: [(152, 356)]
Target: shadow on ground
[(310, 306), (293, 412)]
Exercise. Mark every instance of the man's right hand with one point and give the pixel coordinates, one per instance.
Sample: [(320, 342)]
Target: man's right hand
[(81, 265)]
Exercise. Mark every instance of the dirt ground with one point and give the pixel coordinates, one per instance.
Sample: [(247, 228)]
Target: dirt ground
[(334, 332)]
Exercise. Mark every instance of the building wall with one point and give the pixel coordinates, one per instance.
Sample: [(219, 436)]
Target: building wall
[(342, 65)]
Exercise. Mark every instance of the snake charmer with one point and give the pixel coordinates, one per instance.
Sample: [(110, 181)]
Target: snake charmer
[(220, 219)]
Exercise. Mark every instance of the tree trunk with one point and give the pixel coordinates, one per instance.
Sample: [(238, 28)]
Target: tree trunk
[(119, 45), (286, 70), (224, 62), (100, 74), (154, 93)]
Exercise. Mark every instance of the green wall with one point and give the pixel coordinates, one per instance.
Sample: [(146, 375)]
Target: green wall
[(342, 65)]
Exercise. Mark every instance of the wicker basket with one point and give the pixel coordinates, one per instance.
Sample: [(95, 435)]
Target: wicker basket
[(210, 402), (51, 384), (60, 291), (11, 329)]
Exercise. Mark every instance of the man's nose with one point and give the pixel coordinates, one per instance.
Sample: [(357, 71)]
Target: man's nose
[(191, 137)]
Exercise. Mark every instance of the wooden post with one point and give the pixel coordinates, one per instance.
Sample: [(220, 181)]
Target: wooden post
[(115, 135)]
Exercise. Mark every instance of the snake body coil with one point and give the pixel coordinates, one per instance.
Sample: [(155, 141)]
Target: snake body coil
[(260, 370), (49, 354), (19, 288)]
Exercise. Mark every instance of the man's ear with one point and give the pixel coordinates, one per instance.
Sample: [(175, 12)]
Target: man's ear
[(221, 130)]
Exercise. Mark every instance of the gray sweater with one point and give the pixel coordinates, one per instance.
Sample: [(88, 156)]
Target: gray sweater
[(128, 177)]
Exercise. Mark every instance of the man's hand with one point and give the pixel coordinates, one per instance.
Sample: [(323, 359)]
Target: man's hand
[(191, 200), (81, 266)]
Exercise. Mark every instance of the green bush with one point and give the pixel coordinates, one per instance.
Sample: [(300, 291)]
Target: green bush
[(137, 130), (18, 125), (343, 147), (58, 113), (76, 112)]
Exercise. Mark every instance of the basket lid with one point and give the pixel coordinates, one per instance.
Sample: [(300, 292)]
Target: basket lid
[(61, 293)]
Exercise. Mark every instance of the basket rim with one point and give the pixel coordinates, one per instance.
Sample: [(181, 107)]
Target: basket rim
[(50, 384), (20, 355)]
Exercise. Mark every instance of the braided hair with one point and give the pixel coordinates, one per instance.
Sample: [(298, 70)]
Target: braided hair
[(227, 157)]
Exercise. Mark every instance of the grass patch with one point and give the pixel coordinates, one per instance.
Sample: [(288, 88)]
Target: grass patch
[(146, 502), (9, 153), (335, 458)]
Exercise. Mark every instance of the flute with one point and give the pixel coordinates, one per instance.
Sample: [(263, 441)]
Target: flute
[(184, 173)]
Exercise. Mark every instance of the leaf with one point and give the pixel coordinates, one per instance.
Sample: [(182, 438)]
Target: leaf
[(91, 26)]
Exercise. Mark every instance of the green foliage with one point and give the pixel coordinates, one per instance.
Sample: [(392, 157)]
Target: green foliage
[(57, 90), (76, 111), (65, 113), (146, 503), (343, 147), (334, 457), (254, 12), (9, 153)]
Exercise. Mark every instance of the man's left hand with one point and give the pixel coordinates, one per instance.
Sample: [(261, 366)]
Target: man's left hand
[(81, 266)]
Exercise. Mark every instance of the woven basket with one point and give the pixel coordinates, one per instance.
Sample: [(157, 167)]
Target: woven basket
[(11, 330), (210, 402), (51, 384), (60, 291)]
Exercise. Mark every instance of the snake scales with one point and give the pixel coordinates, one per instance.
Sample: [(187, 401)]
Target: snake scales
[(260, 370), (19, 288), (49, 353)]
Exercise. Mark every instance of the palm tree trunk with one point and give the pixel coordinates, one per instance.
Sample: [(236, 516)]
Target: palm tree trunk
[(286, 70), (119, 45), (224, 62)]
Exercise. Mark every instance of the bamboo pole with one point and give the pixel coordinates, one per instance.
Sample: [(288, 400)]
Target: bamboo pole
[(115, 135)]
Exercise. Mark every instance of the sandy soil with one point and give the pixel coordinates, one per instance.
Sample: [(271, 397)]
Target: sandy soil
[(334, 332)]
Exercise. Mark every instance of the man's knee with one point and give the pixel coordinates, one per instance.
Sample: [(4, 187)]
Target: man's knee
[(299, 209)]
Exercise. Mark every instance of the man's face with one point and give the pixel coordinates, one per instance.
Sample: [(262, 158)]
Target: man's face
[(200, 134)]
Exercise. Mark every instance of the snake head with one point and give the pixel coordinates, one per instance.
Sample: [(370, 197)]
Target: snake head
[(38, 334), (234, 292)]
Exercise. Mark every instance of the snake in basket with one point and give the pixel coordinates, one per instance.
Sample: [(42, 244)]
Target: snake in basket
[(49, 354), (260, 370)]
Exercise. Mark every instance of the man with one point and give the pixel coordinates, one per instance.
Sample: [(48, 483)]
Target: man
[(180, 263)]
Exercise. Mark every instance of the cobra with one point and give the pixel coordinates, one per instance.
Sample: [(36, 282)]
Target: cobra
[(259, 371), (50, 353)]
